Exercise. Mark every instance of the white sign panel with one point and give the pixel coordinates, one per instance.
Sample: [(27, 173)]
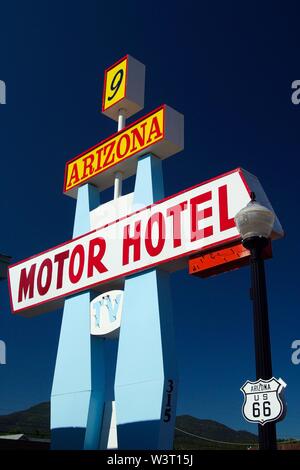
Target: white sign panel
[(262, 400), (106, 312), (193, 220), (111, 211)]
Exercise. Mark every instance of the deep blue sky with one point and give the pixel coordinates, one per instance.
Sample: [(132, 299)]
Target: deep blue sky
[(229, 69)]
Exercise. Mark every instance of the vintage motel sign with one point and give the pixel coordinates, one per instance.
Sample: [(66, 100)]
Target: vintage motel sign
[(124, 88), (160, 132), (167, 232), (263, 401)]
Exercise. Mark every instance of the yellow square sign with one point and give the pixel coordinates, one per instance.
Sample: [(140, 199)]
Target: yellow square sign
[(115, 83), (124, 88)]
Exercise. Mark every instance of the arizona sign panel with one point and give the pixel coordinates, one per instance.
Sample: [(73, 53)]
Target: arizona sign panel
[(160, 132), (164, 233)]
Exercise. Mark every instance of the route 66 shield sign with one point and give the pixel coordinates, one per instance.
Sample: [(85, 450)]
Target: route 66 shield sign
[(263, 401)]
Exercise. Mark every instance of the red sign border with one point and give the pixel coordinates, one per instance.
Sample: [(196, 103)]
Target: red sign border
[(81, 289)]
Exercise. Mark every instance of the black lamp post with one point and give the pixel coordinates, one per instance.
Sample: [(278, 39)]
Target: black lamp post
[(255, 223)]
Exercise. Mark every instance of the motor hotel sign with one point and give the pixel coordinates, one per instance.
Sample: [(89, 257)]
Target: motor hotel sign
[(193, 220)]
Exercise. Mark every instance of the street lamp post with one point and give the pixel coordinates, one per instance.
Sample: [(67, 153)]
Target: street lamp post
[(255, 223)]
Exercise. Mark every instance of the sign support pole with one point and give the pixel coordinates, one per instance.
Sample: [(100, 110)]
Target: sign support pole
[(267, 433), (121, 119), (146, 372), (77, 397), (118, 174)]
